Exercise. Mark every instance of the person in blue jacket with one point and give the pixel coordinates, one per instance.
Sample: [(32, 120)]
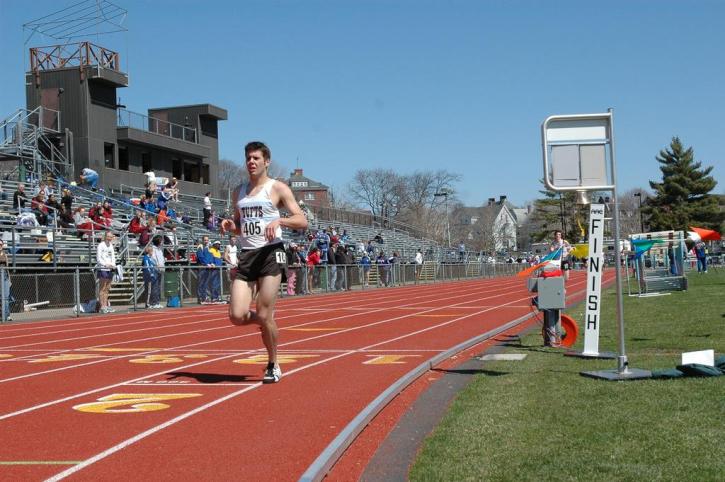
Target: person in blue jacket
[(205, 261)]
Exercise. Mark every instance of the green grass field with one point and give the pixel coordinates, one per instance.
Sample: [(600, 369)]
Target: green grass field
[(539, 419)]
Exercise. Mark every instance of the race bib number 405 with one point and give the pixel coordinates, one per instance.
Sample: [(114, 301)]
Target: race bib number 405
[(251, 228)]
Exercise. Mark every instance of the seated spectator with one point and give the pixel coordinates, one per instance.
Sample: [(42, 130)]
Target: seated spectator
[(163, 199), (27, 220), (138, 223), (379, 238), (107, 213), (162, 218), (96, 215), (38, 207), (54, 208), (83, 223), (67, 200), (66, 219), (185, 218), (89, 177), (344, 237), (173, 187), (148, 233)]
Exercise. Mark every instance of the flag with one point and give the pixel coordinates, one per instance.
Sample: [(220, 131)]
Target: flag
[(580, 250), (707, 234), (641, 246)]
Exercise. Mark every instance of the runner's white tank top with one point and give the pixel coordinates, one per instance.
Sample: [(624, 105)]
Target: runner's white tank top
[(255, 212)]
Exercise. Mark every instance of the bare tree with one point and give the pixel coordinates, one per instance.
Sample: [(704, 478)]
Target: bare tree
[(381, 190)]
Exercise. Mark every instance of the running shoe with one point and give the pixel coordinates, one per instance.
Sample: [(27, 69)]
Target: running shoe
[(272, 375)]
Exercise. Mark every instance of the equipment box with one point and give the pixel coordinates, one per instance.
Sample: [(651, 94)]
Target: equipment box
[(552, 294)]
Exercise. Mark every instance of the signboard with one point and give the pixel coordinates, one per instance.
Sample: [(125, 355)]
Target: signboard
[(595, 269)]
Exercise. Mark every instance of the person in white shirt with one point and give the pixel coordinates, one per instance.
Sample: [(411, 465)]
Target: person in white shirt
[(157, 254), (418, 264), (230, 257), (106, 267), (207, 208)]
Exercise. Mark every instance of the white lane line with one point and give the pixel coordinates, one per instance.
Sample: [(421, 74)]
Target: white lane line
[(28, 375), (71, 397), (153, 430)]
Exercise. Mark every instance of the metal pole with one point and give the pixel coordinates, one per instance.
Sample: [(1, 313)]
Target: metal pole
[(622, 363), (135, 287), (77, 290), (5, 299)]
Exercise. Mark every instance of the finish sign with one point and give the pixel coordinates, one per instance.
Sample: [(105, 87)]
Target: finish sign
[(594, 280)]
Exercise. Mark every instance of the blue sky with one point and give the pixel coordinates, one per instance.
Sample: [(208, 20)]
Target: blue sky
[(456, 85)]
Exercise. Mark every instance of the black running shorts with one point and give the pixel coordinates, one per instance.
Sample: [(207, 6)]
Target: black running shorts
[(269, 260)]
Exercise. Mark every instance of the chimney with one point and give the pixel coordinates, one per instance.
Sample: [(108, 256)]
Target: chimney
[(491, 200), (297, 172), (501, 199)]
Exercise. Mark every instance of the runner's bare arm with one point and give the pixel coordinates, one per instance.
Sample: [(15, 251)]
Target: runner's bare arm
[(296, 220), (233, 226)]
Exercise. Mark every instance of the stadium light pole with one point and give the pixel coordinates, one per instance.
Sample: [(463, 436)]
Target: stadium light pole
[(448, 224)]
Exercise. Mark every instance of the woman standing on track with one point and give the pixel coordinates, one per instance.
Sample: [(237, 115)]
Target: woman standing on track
[(258, 223)]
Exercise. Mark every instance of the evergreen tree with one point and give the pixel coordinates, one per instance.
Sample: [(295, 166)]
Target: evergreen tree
[(558, 210), (682, 199)]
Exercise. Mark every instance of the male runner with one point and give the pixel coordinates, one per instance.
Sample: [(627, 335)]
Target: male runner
[(262, 257)]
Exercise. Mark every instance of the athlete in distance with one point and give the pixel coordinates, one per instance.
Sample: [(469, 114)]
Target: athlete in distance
[(262, 257)]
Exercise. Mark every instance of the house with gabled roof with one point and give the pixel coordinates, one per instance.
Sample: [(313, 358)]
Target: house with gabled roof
[(309, 191)]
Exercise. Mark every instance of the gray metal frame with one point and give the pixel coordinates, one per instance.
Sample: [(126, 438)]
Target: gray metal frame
[(623, 371)]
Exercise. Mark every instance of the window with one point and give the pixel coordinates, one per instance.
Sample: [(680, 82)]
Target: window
[(123, 158), (299, 183), (177, 168), (208, 126), (309, 196), (191, 171), (205, 174), (146, 162), (102, 94), (108, 154)]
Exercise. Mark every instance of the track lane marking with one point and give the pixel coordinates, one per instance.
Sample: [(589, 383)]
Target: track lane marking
[(244, 352), (179, 418), (28, 375)]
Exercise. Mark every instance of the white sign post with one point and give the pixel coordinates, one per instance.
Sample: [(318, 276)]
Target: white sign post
[(595, 267)]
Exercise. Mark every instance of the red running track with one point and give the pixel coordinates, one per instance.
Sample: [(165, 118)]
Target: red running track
[(177, 394)]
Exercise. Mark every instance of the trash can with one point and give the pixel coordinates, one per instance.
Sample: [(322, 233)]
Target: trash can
[(171, 288)]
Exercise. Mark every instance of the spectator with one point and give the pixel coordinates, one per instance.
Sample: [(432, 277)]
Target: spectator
[(207, 209), (370, 249), (344, 238), (383, 269), (313, 260), (340, 262), (83, 223), (323, 243), (38, 207), (162, 218), (701, 254), (67, 200), (393, 261), (157, 253), (215, 279), (293, 263), (145, 236), (54, 208), (365, 265), (163, 199), (96, 215), (19, 198), (150, 275), (302, 277), (332, 268), (349, 263), (66, 219), (107, 214), (173, 187), (230, 257), (138, 223), (185, 218), (206, 264), (7, 297), (89, 177), (379, 238), (461, 252), (106, 268), (418, 264)]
